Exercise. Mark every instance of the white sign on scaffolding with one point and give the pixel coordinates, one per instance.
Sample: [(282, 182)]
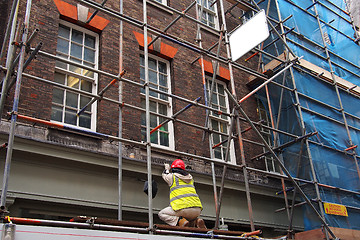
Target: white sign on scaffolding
[(248, 35)]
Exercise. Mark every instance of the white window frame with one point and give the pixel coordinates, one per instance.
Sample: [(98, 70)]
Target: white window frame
[(220, 118), (167, 102), (208, 11), (270, 164), (94, 80), (161, 1)]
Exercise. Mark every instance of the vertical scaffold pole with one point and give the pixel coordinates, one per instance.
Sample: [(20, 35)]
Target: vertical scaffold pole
[(232, 82), (15, 105), (11, 51), (10, 28), (120, 159), (147, 106)]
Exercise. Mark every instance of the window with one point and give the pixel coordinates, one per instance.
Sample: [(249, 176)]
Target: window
[(270, 164), (209, 15), (81, 46), (160, 104), (219, 122)]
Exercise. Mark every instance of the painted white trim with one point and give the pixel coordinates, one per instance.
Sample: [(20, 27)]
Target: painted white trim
[(168, 103), (215, 12), (227, 121), (93, 121)]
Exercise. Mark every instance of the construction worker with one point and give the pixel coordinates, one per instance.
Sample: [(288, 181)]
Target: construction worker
[(184, 201)]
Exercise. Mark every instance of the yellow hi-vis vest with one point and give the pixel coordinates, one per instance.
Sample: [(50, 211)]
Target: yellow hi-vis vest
[(183, 195)]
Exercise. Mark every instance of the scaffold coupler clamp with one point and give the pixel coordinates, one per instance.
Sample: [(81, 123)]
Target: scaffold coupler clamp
[(211, 233), (91, 221)]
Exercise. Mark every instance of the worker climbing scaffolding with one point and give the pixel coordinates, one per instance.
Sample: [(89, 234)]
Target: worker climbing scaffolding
[(184, 201)]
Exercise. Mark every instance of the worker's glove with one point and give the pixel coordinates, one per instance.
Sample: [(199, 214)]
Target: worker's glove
[(167, 166)]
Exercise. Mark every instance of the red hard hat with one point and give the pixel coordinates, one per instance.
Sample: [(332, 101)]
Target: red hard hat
[(178, 163)]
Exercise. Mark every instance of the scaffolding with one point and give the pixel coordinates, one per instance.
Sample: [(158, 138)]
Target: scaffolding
[(294, 58)]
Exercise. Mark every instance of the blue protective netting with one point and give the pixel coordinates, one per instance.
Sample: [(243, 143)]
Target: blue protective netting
[(319, 104)]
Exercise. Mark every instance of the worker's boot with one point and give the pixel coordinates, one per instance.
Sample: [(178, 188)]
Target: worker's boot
[(199, 223), (183, 222)]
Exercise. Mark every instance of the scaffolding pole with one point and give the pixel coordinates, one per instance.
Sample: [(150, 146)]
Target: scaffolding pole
[(147, 114), (15, 107), (120, 151)]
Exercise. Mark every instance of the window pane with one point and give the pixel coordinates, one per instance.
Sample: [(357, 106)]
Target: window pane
[(214, 125), (162, 67), (154, 138), (64, 31), (153, 121), (88, 73), (223, 127), (143, 134), (153, 106), (164, 139), (217, 153), (73, 82), (85, 120), (70, 116), (163, 109), (58, 96), (61, 64), (221, 89), (152, 63), (222, 101), (89, 41), (76, 51), (86, 86), (59, 78), (142, 60), (62, 46), (83, 101), (165, 127), (211, 19), (163, 96), (89, 55), (162, 80), (152, 76), (210, 6), (142, 73), (214, 99), (216, 138), (71, 99), (56, 113), (77, 36), (75, 68), (143, 119)]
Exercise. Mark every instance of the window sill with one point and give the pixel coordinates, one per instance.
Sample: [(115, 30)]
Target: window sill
[(160, 6)]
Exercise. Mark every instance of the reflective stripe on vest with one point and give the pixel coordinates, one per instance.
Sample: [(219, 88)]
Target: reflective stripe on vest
[(183, 195)]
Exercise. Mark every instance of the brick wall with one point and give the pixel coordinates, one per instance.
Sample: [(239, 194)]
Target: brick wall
[(186, 78)]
